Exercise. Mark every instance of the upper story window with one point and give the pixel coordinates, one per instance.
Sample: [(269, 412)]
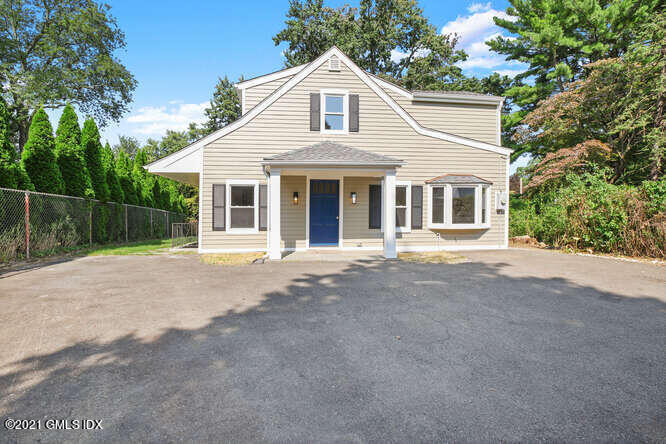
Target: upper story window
[(334, 112)]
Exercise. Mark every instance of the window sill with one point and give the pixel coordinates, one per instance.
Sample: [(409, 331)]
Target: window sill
[(334, 131), (243, 231), (459, 226)]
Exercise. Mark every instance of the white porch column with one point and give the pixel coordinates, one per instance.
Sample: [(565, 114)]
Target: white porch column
[(390, 250), (274, 210)]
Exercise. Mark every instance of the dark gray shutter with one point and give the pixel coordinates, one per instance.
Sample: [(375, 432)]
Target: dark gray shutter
[(353, 113), (375, 206), (263, 207), (417, 206), (219, 196), (315, 118)]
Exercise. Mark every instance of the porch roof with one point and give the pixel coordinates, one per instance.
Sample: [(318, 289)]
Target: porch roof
[(331, 153)]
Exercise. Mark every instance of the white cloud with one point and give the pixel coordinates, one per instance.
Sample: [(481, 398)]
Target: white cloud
[(473, 31), (509, 72), (155, 120), (477, 7)]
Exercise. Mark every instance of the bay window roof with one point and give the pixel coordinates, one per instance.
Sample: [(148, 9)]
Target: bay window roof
[(458, 178)]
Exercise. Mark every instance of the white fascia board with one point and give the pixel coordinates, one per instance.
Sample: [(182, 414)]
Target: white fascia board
[(186, 160), (442, 98), (408, 118), (307, 70), (455, 98), (395, 88), (331, 163), (270, 77)]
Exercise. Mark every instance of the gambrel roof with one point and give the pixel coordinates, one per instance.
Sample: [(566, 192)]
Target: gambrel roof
[(302, 73)]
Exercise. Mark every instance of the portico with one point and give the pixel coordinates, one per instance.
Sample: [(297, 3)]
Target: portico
[(323, 189)]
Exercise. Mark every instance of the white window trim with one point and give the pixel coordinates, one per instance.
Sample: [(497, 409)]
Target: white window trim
[(448, 202), (242, 182), (345, 110), (408, 213)]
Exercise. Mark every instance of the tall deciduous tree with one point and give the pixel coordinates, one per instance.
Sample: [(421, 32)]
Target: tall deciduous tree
[(618, 105), (109, 164), (38, 157), (92, 149), (127, 144), (12, 174), (57, 51), (70, 157), (557, 39), (390, 38)]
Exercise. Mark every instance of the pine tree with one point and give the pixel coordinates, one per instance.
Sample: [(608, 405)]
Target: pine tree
[(12, 174), (225, 107), (558, 39), (124, 173), (38, 157), (92, 149), (109, 164), (69, 156)]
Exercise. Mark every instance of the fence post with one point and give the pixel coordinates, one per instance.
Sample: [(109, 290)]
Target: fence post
[(90, 224), (27, 225), (126, 236), (152, 234), (166, 213)]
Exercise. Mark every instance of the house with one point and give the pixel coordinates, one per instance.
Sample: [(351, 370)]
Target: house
[(327, 155)]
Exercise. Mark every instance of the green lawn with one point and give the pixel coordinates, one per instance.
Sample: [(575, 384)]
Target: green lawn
[(144, 247)]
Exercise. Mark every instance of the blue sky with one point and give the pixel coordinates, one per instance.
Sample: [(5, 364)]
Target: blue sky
[(176, 50)]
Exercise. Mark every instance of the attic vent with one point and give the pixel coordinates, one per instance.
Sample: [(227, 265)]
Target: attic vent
[(334, 64)]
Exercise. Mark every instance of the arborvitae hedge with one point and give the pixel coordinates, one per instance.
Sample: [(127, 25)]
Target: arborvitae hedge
[(109, 164), (69, 155), (124, 172), (12, 174), (142, 183), (38, 158), (92, 149)]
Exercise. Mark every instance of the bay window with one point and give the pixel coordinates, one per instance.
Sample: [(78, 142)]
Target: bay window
[(459, 206)]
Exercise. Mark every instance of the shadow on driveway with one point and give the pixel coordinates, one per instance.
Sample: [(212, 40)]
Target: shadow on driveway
[(367, 351)]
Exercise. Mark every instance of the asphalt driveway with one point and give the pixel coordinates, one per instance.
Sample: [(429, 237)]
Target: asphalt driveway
[(514, 345)]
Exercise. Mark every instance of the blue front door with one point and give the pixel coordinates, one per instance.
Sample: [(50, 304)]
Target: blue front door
[(324, 212)]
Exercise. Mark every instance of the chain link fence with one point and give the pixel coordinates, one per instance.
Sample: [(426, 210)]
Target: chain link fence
[(40, 224), (184, 234)]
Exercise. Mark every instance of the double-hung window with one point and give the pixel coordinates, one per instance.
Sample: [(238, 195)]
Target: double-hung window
[(403, 205), (334, 113), (459, 206), (243, 206)]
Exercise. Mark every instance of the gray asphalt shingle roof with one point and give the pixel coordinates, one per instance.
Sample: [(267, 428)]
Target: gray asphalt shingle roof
[(458, 178), (332, 152)]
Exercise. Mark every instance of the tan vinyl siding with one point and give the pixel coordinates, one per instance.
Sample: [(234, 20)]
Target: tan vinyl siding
[(355, 231), (256, 94), (223, 239), (478, 122), (292, 217), (284, 126)]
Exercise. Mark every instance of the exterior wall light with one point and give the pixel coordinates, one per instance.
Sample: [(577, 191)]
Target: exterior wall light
[(353, 197), (295, 197)]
